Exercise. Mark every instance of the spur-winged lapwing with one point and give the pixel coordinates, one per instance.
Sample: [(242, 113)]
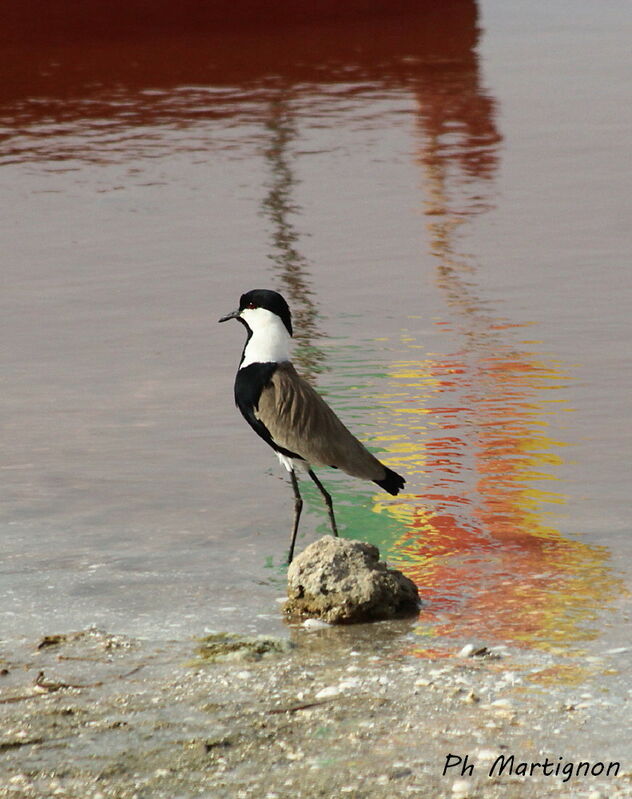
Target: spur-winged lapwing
[(287, 412)]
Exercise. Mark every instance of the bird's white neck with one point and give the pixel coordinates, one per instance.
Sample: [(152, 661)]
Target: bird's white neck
[(269, 342)]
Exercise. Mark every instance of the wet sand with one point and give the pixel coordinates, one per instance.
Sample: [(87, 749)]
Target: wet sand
[(343, 714)]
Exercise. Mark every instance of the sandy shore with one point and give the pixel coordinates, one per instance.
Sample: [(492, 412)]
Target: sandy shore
[(346, 712)]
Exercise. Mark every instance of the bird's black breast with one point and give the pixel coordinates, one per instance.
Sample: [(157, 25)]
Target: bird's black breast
[(249, 383)]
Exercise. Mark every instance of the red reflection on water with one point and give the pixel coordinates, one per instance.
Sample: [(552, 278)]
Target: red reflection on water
[(71, 18), (480, 541), (134, 63), (485, 552)]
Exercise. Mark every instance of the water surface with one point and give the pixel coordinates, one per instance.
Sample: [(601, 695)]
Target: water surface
[(442, 197)]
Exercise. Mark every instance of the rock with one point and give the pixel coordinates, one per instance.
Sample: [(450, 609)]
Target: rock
[(471, 651), (342, 581), (308, 624)]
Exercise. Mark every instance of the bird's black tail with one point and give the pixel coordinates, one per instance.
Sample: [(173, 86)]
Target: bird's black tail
[(392, 482)]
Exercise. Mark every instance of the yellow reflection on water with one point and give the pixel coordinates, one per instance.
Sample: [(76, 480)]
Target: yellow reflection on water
[(472, 429), (480, 538)]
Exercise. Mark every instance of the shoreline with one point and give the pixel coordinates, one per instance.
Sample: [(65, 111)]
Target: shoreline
[(344, 712)]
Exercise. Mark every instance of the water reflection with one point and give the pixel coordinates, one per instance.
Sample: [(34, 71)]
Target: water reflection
[(481, 539), (82, 82), (292, 268), (470, 426)]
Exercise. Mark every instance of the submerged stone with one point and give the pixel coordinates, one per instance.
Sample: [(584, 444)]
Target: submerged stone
[(343, 581), (225, 647), (90, 636)]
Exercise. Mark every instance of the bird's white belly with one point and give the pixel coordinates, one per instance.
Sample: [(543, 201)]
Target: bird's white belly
[(291, 464)]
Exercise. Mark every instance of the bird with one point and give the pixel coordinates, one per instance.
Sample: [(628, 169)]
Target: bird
[(288, 413)]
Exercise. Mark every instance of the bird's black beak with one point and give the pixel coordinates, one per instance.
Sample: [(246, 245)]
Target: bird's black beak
[(231, 315)]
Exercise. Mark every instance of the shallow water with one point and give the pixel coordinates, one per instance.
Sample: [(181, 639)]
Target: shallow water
[(444, 201)]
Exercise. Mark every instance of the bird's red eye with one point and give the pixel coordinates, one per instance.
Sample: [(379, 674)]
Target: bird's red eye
[(251, 305)]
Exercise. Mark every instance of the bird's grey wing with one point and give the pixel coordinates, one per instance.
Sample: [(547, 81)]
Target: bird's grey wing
[(300, 420)]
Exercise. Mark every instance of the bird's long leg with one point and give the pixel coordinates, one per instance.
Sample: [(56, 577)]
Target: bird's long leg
[(328, 502), (298, 507)]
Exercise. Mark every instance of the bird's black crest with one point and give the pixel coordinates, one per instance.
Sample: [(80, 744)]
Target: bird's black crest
[(271, 301)]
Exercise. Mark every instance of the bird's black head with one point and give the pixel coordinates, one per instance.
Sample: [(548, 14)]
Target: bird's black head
[(271, 301), (263, 298)]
